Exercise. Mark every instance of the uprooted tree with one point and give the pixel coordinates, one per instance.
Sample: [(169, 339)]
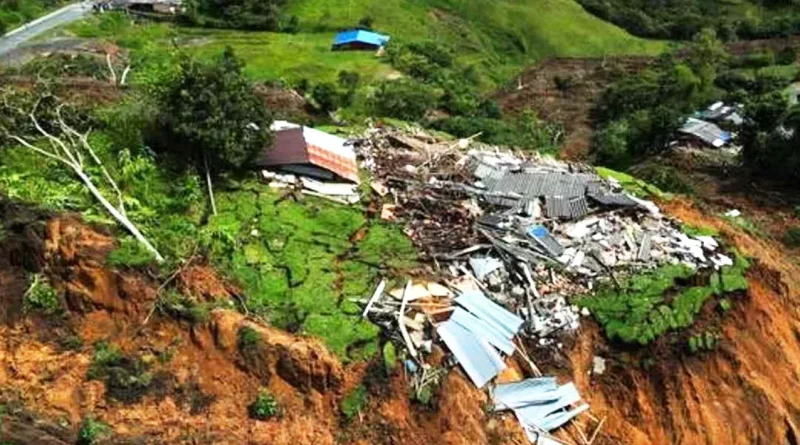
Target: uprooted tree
[(38, 123), (210, 117)]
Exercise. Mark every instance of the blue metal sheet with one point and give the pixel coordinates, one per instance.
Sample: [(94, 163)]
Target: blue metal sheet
[(490, 312), (483, 330), (360, 35), (479, 360)]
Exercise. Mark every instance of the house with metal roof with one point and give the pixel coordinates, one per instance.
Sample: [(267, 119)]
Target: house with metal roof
[(705, 133), (355, 39), (309, 152)]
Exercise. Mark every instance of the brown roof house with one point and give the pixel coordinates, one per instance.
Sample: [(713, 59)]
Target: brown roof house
[(309, 152)]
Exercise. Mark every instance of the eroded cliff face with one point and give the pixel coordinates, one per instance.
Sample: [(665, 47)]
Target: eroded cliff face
[(744, 392), (204, 380)]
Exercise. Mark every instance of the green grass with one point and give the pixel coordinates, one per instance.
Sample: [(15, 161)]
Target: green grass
[(634, 186), (651, 304), (499, 38)]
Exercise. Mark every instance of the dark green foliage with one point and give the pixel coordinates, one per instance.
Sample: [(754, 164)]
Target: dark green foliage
[(65, 65), (127, 379), (248, 338), (354, 402), (639, 115), (42, 297), (92, 431), (264, 407), (366, 22), (792, 237), (262, 15), (210, 112), (702, 342), (640, 312), (786, 56), (404, 99), (327, 97), (683, 19), (770, 136), (526, 132), (664, 177)]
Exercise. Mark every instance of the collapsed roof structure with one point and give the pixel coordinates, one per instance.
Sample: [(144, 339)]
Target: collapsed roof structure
[(310, 152), (705, 132)]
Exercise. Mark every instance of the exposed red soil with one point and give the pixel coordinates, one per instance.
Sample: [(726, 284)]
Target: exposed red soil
[(201, 361), (565, 90)]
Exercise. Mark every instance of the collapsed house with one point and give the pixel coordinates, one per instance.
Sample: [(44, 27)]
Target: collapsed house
[(320, 163), (704, 133), (167, 7), (513, 238), (359, 39)]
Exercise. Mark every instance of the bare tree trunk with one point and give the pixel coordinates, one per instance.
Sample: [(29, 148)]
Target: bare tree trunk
[(210, 186), (118, 215), (72, 158), (113, 75)]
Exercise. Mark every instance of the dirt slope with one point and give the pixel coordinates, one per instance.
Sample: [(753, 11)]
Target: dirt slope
[(202, 381), (743, 393)]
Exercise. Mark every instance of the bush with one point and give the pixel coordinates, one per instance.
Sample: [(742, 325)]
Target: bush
[(264, 407), (263, 15), (248, 338), (666, 178), (354, 402), (92, 431), (792, 237), (786, 56), (42, 297), (327, 97), (404, 99)]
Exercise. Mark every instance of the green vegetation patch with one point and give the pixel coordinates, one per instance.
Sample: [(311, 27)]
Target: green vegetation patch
[(264, 407), (42, 297), (93, 431), (655, 302), (355, 402), (632, 185), (127, 378)]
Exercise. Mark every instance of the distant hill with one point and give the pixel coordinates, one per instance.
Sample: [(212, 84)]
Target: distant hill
[(499, 37), (682, 19)]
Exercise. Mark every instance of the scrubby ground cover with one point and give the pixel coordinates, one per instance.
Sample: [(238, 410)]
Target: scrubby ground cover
[(650, 304)]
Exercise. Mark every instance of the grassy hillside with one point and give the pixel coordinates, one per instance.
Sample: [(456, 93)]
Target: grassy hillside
[(499, 37)]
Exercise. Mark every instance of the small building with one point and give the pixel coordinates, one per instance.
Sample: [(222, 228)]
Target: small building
[(705, 133), (309, 152), (356, 39), (149, 6), (721, 113)]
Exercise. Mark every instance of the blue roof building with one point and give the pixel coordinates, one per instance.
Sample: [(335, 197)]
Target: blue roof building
[(359, 39)]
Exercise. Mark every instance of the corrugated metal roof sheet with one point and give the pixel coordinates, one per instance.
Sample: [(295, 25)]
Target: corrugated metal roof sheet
[(483, 330), (569, 208), (538, 403), (479, 359), (614, 199), (487, 310), (706, 132), (539, 184), (550, 244)]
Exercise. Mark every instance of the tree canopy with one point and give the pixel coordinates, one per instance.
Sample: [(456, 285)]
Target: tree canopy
[(210, 112), (263, 15)]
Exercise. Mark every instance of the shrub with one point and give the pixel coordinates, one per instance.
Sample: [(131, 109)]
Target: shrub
[(792, 237), (327, 97), (404, 99), (666, 178), (92, 431), (248, 338), (264, 407), (786, 56), (42, 297), (354, 402)]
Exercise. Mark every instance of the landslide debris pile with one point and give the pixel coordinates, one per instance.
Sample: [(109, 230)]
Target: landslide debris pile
[(514, 238)]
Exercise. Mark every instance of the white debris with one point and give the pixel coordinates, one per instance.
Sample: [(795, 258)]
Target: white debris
[(734, 213)]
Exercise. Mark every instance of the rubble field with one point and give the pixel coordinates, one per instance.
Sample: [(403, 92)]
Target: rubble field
[(522, 248)]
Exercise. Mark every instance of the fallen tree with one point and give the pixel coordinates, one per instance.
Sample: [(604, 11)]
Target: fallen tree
[(72, 149)]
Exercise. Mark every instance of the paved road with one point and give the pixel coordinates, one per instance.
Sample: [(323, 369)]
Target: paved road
[(63, 16)]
